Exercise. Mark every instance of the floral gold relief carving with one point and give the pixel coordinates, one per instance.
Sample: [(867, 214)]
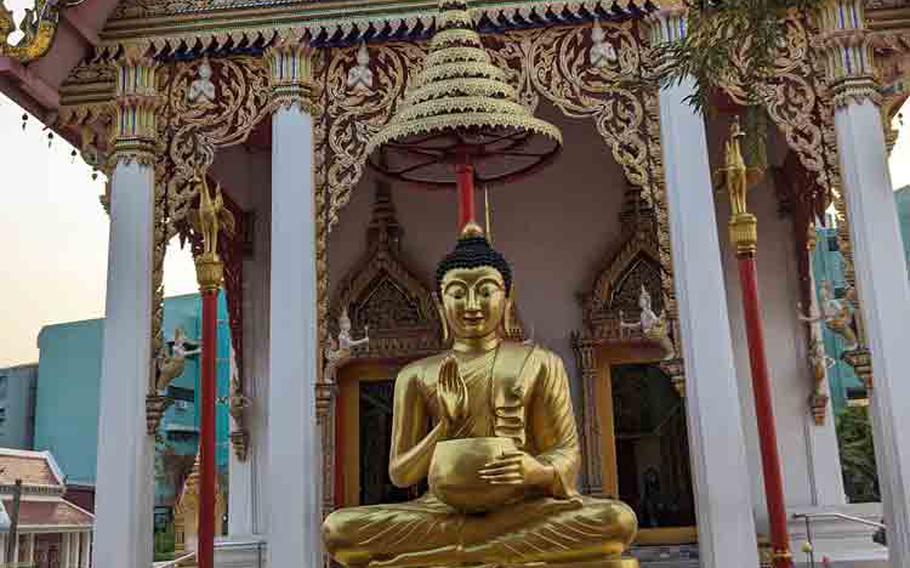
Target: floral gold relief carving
[(555, 64), (354, 115), (791, 98), (195, 129)]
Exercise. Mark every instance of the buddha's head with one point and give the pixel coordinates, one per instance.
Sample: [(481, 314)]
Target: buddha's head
[(473, 282)]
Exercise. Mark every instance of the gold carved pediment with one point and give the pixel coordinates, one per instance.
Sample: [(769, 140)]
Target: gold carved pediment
[(383, 297), (616, 290)]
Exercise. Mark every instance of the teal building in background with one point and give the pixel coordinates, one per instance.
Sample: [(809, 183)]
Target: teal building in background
[(66, 399), (827, 264)]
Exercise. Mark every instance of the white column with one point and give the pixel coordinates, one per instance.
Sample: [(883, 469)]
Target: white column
[(824, 455), (84, 543), (65, 551), (123, 511), (16, 549), (883, 290), (3, 538), (67, 560), (294, 536), (726, 528), (881, 270), (30, 557), (241, 488), (124, 479), (75, 549)]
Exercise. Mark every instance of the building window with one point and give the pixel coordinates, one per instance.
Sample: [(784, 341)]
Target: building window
[(3, 381), (182, 436), (2, 417), (180, 393)]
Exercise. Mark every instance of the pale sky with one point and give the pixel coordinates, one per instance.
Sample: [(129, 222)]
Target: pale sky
[(54, 251)]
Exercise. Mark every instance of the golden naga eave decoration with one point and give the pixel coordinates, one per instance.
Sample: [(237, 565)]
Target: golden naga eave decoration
[(461, 109), (38, 28)]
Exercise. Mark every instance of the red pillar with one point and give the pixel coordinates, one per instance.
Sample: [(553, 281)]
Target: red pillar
[(764, 412), (208, 387), (464, 173)]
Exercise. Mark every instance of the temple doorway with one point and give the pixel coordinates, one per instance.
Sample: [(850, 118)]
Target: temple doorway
[(376, 398), (637, 437), (363, 432), (652, 453)]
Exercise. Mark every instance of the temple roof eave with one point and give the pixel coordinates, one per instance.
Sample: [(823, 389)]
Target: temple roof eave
[(345, 21)]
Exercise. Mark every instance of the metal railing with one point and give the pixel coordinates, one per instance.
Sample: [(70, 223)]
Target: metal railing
[(177, 562), (809, 517)]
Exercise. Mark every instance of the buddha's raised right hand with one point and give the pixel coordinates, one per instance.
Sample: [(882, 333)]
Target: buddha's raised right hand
[(453, 395)]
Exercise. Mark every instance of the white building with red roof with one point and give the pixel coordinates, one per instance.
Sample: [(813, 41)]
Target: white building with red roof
[(50, 531)]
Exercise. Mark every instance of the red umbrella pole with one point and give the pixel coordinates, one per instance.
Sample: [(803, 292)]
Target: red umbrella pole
[(206, 554), (764, 413), (209, 272), (464, 172), (744, 238)]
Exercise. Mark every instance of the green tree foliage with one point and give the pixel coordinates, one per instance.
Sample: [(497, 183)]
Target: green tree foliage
[(857, 455), (728, 38)]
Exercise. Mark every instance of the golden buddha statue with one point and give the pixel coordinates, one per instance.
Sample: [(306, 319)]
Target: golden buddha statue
[(490, 424)]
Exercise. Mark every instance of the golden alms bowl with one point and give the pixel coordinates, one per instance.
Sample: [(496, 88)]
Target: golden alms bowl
[(454, 477)]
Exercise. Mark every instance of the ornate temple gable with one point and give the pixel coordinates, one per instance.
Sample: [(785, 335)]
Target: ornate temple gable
[(232, 23), (382, 296), (617, 288)]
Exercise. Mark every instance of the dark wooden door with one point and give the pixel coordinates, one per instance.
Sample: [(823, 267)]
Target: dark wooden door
[(375, 442)]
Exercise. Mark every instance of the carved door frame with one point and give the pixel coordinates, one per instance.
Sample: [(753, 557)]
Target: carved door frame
[(608, 355), (347, 423)]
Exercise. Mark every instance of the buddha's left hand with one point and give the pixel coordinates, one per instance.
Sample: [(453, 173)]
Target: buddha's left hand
[(518, 468)]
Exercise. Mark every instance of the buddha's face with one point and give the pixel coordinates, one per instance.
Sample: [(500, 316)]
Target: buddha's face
[(473, 301)]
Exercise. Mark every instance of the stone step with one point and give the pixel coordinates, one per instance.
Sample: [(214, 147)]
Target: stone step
[(676, 556)]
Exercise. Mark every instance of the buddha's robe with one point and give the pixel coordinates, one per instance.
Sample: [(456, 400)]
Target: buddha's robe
[(514, 391)]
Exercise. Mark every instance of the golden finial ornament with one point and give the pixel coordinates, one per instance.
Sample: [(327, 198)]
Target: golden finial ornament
[(736, 178), (208, 220), (461, 109)]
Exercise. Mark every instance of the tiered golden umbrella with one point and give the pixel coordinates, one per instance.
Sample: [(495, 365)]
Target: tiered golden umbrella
[(461, 122)]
